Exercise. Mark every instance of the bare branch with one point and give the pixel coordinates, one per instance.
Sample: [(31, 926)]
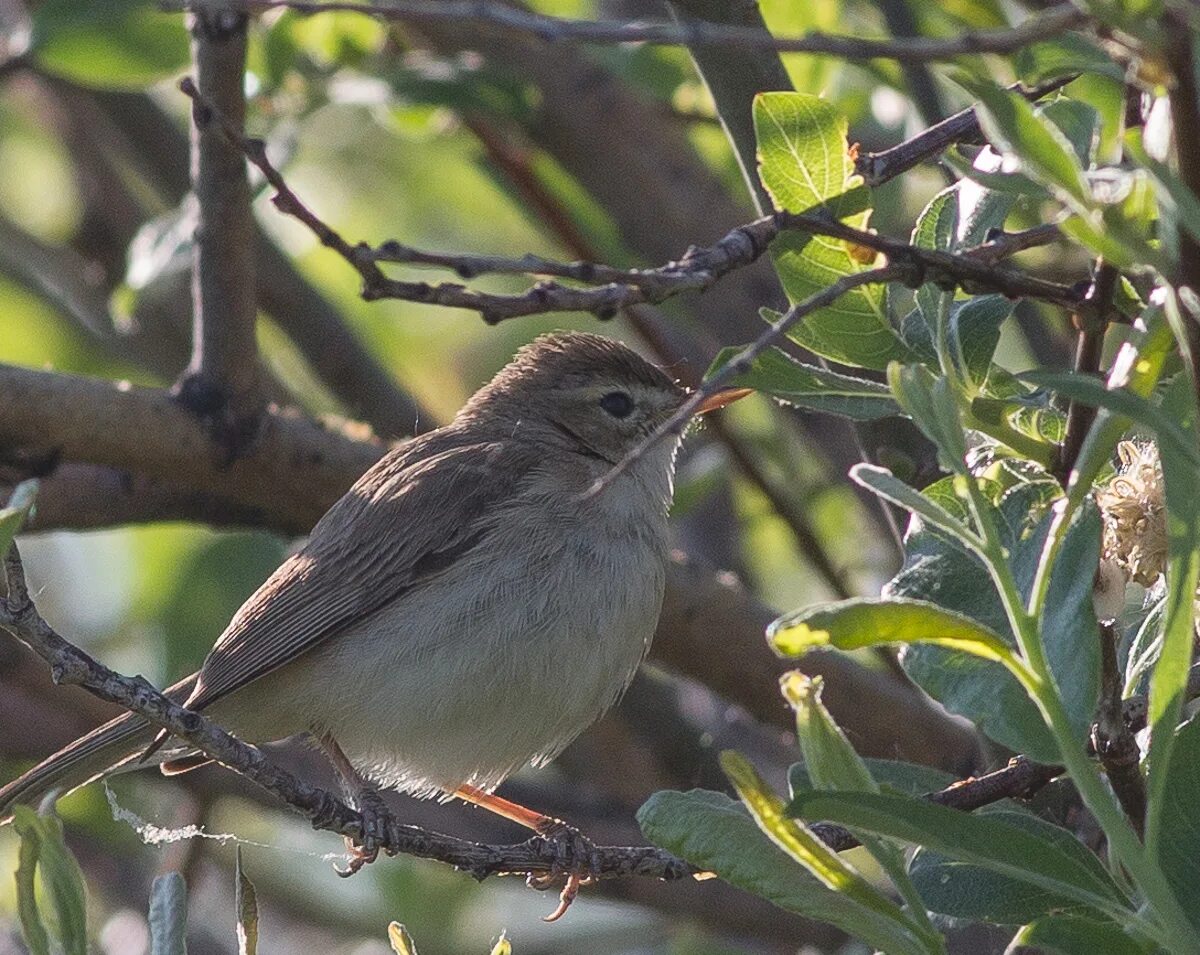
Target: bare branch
[(878, 168), (698, 269), (1049, 23)]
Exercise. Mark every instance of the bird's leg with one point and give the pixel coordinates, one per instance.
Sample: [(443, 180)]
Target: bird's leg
[(574, 852), (366, 800)]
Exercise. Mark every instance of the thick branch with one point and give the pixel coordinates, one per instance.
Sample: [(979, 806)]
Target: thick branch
[(1053, 21), (221, 382)]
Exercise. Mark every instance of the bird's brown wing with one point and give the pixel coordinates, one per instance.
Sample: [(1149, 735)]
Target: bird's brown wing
[(388, 534)]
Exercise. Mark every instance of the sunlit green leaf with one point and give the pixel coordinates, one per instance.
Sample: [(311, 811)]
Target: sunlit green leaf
[(805, 165), (1075, 935), (862, 622)]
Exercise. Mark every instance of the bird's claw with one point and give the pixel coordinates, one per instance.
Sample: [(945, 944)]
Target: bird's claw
[(574, 857), (365, 850)]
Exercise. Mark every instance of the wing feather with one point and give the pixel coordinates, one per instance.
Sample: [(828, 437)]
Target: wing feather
[(404, 522)]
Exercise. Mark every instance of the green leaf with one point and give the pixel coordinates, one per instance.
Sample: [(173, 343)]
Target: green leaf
[(1077, 121), (15, 513), (975, 332), (864, 622), (168, 915), (402, 943), (1065, 868), (1093, 391), (805, 165), (930, 402), (910, 779), (1014, 127), (717, 834), (833, 764), (25, 824), (44, 849), (246, 903), (892, 489), (806, 386), (1074, 935), (108, 43), (1064, 55), (1178, 845), (798, 842), (968, 891)]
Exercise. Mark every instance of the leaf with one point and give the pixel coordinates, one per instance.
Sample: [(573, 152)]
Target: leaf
[(1014, 127), (968, 891), (1075, 935), (833, 764), (503, 946), (911, 779), (930, 403), (44, 849), (1064, 55), (805, 165), (32, 929), (829, 868), (1093, 391), (778, 374), (717, 834), (168, 915), (975, 332), (108, 43), (1178, 845), (864, 622), (1065, 868), (402, 943), (938, 570), (15, 513), (246, 903)]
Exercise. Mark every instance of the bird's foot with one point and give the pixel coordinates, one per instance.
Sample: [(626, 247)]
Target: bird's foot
[(375, 817), (574, 857)]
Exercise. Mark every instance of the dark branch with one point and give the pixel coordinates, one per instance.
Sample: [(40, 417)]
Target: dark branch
[(1112, 739), (962, 127)]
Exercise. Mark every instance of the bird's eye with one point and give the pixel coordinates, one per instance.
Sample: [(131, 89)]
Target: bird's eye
[(617, 403)]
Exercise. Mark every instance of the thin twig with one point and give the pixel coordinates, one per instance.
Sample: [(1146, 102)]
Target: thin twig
[(1041, 26), (697, 270), (742, 362), (71, 666), (1112, 740), (1089, 346)]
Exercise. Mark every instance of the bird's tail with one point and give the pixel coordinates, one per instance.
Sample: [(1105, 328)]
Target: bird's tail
[(105, 749)]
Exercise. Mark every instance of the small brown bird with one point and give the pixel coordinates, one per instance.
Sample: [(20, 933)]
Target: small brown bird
[(464, 610)]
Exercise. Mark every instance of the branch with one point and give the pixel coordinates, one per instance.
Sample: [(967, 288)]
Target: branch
[(878, 168), (71, 666), (221, 382), (1112, 739), (698, 269), (1051, 22)]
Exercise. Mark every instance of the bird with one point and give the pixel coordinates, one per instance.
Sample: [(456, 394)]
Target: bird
[(466, 609)]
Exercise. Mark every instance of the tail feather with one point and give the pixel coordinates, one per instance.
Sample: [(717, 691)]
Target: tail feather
[(102, 751)]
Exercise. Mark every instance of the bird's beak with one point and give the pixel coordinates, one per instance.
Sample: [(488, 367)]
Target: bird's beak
[(722, 398)]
